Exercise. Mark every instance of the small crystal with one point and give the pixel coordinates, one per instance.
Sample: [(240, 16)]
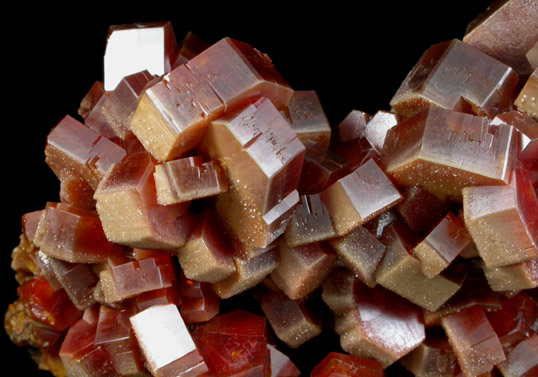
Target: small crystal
[(281, 365), (353, 126), (342, 365), (137, 47), (165, 342), (527, 100), (359, 197), (421, 209), (199, 302), (303, 268), (291, 320), (189, 47), (319, 172)]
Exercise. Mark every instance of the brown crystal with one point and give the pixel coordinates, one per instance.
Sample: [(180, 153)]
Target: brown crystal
[(505, 233), (527, 100), (514, 277), (353, 126), (476, 345), (359, 197), (455, 76), (303, 268), (506, 31), (189, 47), (444, 151)]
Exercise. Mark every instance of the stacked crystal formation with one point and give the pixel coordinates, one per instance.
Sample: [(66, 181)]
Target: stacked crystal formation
[(196, 174)]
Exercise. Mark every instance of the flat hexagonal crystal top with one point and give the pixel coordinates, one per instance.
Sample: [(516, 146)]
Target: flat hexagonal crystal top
[(361, 252), (291, 320), (401, 272), (383, 326), (444, 151), (128, 192), (476, 345), (310, 222), (506, 31), (72, 234), (308, 121), (342, 365), (359, 197), (262, 154), (187, 179), (165, 341), (172, 115), (74, 148), (233, 342), (442, 245), (503, 220), (353, 126), (455, 76), (138, 47), (303, 268), (527, 100)]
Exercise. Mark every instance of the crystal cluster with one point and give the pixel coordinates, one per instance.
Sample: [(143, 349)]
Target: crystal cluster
[(196, 175)]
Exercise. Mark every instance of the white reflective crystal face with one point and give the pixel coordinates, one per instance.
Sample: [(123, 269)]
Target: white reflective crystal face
[(162, 335), (133, 50)]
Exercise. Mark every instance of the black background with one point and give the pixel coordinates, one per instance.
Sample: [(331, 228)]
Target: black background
[(354, 57)]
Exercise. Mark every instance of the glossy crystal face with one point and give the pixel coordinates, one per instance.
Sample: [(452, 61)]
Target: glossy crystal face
[(213, 222)]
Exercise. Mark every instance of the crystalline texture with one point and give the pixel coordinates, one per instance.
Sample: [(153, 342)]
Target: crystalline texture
[(506, 31), (339, 364), (503, 220), (128, 208), (359, 197), (444, 151), (476, 345), (527, 100), (166, 342), (173, 114), (455, 76), (137, 47)]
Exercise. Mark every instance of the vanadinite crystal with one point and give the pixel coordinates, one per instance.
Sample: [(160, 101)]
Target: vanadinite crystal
[(213, 222)]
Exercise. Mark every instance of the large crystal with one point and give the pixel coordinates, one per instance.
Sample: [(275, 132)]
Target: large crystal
[(444, 151), (172, 115), (506, 31), (128, 208), (455, 76), (503, 220)]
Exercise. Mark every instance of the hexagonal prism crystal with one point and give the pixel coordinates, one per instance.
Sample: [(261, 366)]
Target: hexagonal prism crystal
[(179, 107), (476, 345), (248, 273), (455, 76), (400, 271), (187, 179), (377, 127), (291, 320), (444, 151), (339, 290), (72, 234), (319, 172), (166, 343), (128, 192), (121, 102), (262, 154), (514, 277), (382, 326), (522, 360), (307, 119), (507, 232), (208, 254), (442, 245), (74, 148), (189, 47), (77, 279), (309, 223), (361, 252), (353, 126), (133, 48), (359, 197), (199, 302), (506, 31), (303, 268)]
